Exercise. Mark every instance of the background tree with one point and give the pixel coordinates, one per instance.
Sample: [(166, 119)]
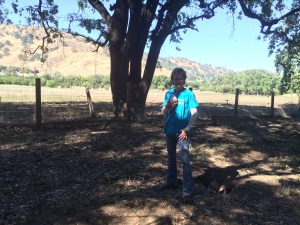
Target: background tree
[(250, 82), (287, 40), (287, 61), (129, 26)]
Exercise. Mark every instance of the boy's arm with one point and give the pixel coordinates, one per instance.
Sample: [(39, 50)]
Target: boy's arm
[(194, 114), (184, 132), (164, 110)]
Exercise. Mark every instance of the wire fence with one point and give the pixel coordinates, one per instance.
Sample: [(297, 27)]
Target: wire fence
[(18, 104), (218, 104)]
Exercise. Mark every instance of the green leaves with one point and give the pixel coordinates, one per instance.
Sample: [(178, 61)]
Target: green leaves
[(288, 62), (15, 7), (92, 24), (161, 82), (249, 82), (295, 82), (266, 8), (82, 4)]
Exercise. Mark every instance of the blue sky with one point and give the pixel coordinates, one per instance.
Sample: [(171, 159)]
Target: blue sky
[(220, 43)]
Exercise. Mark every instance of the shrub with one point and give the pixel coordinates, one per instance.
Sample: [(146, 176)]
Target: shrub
[(6, 51), (51, 83), (161, 82), (16, 35), (27, 39), (7, 42), (35, 57)]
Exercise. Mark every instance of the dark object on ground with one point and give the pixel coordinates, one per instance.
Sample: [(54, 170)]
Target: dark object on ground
[(220, 179)]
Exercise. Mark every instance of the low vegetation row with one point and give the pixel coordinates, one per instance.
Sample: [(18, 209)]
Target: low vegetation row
[(249, 82), (58, 80)]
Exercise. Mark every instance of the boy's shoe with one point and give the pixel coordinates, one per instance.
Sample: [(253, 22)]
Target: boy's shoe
[(169, 186), (187, 198)]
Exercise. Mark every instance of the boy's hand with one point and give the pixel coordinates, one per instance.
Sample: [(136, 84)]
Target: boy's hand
[(184, 135), (173, 101), (171, 105)]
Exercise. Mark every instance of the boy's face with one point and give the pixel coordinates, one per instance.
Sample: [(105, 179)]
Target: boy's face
[(178, 81)]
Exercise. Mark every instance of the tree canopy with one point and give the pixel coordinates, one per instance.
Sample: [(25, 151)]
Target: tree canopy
[(128, 27)]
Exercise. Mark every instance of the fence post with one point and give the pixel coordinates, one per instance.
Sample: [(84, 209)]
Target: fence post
[(38, 103), (90, 103), (272, 104), (236, 104)]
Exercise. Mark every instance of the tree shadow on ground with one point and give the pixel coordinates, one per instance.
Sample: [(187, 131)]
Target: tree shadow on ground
[(104, 171)]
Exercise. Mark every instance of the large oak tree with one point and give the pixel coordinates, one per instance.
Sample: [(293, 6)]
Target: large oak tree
[(128, 27)]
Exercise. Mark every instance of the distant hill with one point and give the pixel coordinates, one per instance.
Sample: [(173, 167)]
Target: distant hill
[(74, 56), (194, 69)]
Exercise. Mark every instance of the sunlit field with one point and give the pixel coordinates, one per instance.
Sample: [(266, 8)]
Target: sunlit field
[(16, 93)]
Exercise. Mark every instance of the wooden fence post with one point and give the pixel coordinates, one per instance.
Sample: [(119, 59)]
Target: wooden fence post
[(272, 104), (38, 103), (90, 103), (236, 104)]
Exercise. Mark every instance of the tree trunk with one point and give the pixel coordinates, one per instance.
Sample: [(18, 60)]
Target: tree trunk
[(150, 66), (118, 77), (128, 88), (128, 96), (135, 109), (137, 87)]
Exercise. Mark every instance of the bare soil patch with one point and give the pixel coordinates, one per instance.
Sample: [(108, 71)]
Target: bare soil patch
[(106, 171)]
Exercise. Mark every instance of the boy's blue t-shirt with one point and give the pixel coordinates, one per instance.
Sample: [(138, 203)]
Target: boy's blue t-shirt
[(179, 117)]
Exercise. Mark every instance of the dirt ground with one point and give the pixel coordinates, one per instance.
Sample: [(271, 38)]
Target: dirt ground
[(106, 171)]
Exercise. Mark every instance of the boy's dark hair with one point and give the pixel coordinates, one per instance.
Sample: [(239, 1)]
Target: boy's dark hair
[(177, 71)]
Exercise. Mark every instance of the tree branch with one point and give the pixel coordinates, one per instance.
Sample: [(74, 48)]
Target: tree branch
[(160, 19), (98, 5), (43, 20), (45, 27), (189, 23), (96, 42), (147, 16), (265, 23), (208, 13)]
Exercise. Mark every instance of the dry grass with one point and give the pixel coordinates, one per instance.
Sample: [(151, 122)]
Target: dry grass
[(60, 104), (17, 93)]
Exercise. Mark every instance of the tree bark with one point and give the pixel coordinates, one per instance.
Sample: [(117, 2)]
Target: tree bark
[(150, 66), (118, 77), (137, 87), (129, 89), (135, 109)]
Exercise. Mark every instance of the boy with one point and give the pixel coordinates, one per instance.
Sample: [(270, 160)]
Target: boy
[(180, 112)]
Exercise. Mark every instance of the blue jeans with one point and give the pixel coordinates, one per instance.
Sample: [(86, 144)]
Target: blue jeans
[(172, 142)]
